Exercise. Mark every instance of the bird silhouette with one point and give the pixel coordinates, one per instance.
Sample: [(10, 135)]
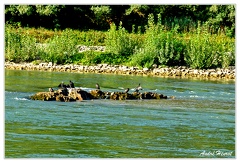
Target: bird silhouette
[(51, 89), (138, 88), (71, 84), (97, 86), (62, 85), (126, 91)]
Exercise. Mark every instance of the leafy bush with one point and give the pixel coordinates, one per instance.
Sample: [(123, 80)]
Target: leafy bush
[(159, 47), (120, 42), (60, 49), (205, 50), (18, 47)]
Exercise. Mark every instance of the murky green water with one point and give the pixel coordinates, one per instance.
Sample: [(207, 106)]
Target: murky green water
[(199, 122)]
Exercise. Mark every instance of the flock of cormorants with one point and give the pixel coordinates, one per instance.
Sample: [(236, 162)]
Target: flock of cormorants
[(71, 85)]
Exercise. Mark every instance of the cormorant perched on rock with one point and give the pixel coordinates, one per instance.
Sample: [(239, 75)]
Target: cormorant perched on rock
[(97, 86), (71, 84), (138, 88), (51, 89), (62, 85), (126, 91)]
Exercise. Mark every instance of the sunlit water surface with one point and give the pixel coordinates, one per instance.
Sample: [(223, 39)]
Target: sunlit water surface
[(199, 122)]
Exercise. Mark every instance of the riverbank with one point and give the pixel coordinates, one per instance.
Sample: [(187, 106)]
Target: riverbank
[(180, 71), (197, 49)]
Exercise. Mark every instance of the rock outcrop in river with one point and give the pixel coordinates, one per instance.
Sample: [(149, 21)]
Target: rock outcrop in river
[(74, 94)]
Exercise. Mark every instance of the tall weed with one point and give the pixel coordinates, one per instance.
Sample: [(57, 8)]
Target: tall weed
[(19, 47), (120, 42), (159, 47), (205, 50)]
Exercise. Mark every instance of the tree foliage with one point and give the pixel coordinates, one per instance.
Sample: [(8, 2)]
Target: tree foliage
[(220, 17)]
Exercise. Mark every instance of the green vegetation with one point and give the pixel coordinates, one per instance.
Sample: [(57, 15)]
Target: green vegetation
[(121, 43), (59, 46), (159, 47), (19, 47), (161, 40), (99, 17)]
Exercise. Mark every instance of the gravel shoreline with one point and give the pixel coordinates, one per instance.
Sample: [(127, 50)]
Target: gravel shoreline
[(180, 71)]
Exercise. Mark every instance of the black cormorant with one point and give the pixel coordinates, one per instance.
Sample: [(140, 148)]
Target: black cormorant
[(71, 84), (62, 85)]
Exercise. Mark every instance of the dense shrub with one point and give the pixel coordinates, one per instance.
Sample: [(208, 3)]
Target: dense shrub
[(159, 47), (19, 47), (196, 49), (60, 49), (205, 50), (120, 42)]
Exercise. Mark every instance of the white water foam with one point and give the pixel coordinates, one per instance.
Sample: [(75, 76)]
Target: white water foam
[(21, 99)]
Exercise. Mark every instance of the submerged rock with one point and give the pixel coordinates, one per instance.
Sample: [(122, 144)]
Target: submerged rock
[(73, 94)]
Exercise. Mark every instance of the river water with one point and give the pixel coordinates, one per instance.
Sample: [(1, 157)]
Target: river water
[(198, 123)]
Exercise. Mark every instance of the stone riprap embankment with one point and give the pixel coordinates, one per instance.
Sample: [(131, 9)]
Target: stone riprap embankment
[(180, 71)]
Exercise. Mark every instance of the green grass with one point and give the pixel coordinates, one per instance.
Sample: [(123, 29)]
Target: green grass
[(197, 48)]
